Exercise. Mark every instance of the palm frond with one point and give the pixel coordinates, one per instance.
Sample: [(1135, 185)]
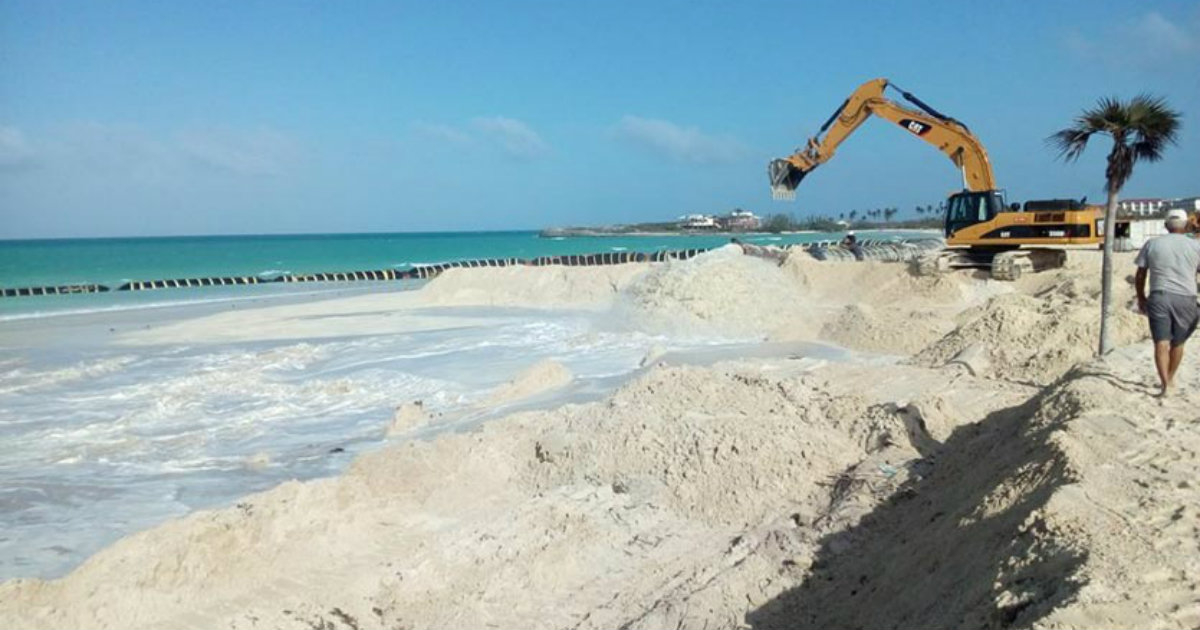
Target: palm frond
[(1070, 142), (1154, 126), (1143, 128), (1150, 150), (1108, 115)]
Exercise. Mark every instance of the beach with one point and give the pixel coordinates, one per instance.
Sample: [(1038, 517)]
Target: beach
[(715, 442)]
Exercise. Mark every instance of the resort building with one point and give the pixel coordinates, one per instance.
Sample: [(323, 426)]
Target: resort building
[(698, 222), (737, 221), (1157, 207), (742, 221), (1141, 207), (1187, 204)]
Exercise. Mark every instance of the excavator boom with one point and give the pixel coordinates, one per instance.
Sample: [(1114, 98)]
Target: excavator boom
[(946, 134)]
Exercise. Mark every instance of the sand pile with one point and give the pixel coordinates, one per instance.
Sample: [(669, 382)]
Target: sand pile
[(885, 329), (876, 283), (600, 515), (1073, 510), (1035, 337), (538, 378), (870, 305), (1133, 508), (882, 307), (721, 292), (707, 496), (552, 286)]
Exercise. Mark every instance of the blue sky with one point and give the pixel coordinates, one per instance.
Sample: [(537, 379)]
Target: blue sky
[(160, 118)]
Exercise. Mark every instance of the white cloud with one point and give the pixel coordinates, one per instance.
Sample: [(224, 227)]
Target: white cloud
[(15, 152), (683, 144), (258, 152), (445, 134), (1147, 41), (133, 151), (108, 149), (1157, 31), (508, 135), (512, 136)]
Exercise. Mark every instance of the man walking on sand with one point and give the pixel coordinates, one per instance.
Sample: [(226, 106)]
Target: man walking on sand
[(1171, 261)]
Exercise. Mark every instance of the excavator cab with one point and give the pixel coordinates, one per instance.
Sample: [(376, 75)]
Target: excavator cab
[(968, 208)]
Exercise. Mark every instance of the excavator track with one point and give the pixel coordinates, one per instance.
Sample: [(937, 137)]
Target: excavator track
[(1006, 265), (1012, 265), (947, 260)]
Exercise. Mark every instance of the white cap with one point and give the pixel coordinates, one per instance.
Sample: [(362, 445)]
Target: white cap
[(1176, 215), (850, 233)]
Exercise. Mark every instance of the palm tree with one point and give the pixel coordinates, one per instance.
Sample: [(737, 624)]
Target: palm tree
[(1140, 129)]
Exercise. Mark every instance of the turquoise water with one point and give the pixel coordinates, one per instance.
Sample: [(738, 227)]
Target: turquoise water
[(114, 261)]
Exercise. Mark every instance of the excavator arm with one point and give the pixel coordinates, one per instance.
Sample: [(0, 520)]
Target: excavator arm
[(947, 135)]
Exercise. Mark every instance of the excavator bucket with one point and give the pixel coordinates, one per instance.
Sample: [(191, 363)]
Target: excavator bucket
[(785, 177)]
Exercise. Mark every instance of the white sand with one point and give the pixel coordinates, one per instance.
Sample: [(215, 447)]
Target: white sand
[(1047, 491)]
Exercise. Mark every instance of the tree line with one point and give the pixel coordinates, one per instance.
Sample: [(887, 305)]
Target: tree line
[(923, 216)]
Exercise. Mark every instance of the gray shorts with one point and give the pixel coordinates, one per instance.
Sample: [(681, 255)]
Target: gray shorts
[(1173, 317)]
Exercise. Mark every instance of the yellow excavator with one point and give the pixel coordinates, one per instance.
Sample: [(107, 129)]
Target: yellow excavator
[(981, 229)]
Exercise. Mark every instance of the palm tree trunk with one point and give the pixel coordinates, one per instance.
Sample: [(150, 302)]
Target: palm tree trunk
[(1106, 273)]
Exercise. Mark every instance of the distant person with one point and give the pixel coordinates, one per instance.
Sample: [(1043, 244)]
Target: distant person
[(1171, 261), (851, 243)]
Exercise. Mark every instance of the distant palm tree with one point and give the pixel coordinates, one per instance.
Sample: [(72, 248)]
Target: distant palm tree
[(1140, 129), (853, 213)]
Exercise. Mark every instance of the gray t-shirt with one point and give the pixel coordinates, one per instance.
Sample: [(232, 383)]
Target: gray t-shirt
[(1172, 260)]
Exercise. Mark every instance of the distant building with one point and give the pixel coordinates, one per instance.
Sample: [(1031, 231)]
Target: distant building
[(1187, 204), (1141, 207), (698, 222), (742, 221), (1157, 207)]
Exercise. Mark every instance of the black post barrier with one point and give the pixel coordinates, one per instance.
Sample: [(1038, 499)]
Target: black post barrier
[(419, 272)]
